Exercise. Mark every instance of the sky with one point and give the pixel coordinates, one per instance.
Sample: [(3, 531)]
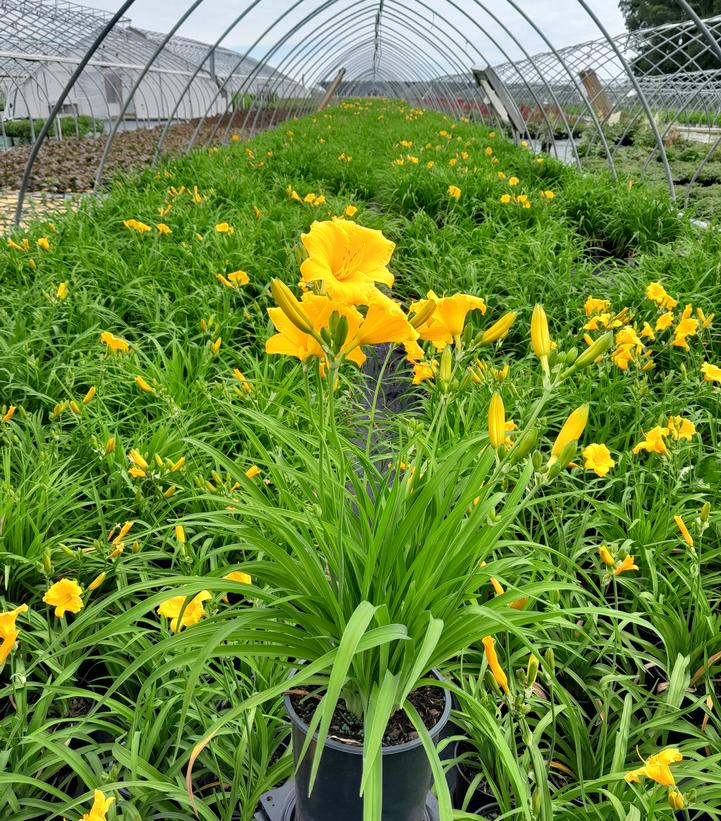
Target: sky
[(564, 22)]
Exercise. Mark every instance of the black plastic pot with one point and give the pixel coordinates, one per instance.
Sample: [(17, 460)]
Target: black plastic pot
[(407, 777)]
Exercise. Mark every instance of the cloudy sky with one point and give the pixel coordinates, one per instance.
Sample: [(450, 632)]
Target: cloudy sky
[(564, 22)]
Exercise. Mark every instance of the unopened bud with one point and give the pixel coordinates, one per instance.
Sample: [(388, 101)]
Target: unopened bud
[(598, 348), (423, 314), (524, 444), (47, 562), (550, 660), (446, 367), (531, 670)]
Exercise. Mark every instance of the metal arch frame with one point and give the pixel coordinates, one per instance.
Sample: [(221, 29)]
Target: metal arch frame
[(281, 67), (211, 49), (107, 28), (244, 57), (591, 112), (429, 79), (341, 28), (408, 55), (522, 49), (642, 97), (498, 46), (701, 26)]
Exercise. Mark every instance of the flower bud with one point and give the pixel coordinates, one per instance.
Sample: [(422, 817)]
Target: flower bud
[(446, 367), (47, 562), (524, 444), (96, 582), (498, 330), (676, 800), (571, 431), (550, 659), (540, 337), (531, 670), (290, 306), (496, 421), (596, 349), (424, 314)]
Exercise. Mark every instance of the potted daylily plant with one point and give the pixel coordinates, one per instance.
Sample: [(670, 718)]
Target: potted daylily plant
[(366, 586)]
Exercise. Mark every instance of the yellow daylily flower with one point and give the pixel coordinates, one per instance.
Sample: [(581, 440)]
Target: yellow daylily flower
[(597, 458), (114, 343), (193, 613), (493, 664), (64, 596), (9, 632), (347, 259), (101, 805), (446, 322)]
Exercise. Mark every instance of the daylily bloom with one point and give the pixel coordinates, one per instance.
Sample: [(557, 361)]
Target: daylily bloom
[(100, 807), (605, 555), (540, 337), (8, 631), (163, 228), (252, 471), (454, 191), (647, 332), (143, 385), (629, 563), (193, 613), (665, 321), (711, 373), (62, 291), (96, 582), (499, 328), (657, 293), (686, 327), (224, 228), (423, 371), (684, 530), (43, 243), (245, 385), (292, 341), (596, 306), (681, 428), (136, 225), (114, 343), (64, 596), (513, 181), (494, 666), (137, 459), (239, 576), (348, 259), (9, 413), (505, 198), (180, 534), (657, 768), (350, 211), (597, 458), (445, 324), (654, 441), (676, 800)]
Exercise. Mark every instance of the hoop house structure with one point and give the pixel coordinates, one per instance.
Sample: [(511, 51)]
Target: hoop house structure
[(66, 70)]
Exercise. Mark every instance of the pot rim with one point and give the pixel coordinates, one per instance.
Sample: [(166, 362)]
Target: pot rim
[(393, 750)]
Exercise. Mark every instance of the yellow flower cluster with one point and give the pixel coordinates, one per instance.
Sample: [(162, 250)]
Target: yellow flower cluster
[(631, 340), (655, 439)]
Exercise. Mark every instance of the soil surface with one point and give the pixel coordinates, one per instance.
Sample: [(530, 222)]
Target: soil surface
[(348, 729)]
